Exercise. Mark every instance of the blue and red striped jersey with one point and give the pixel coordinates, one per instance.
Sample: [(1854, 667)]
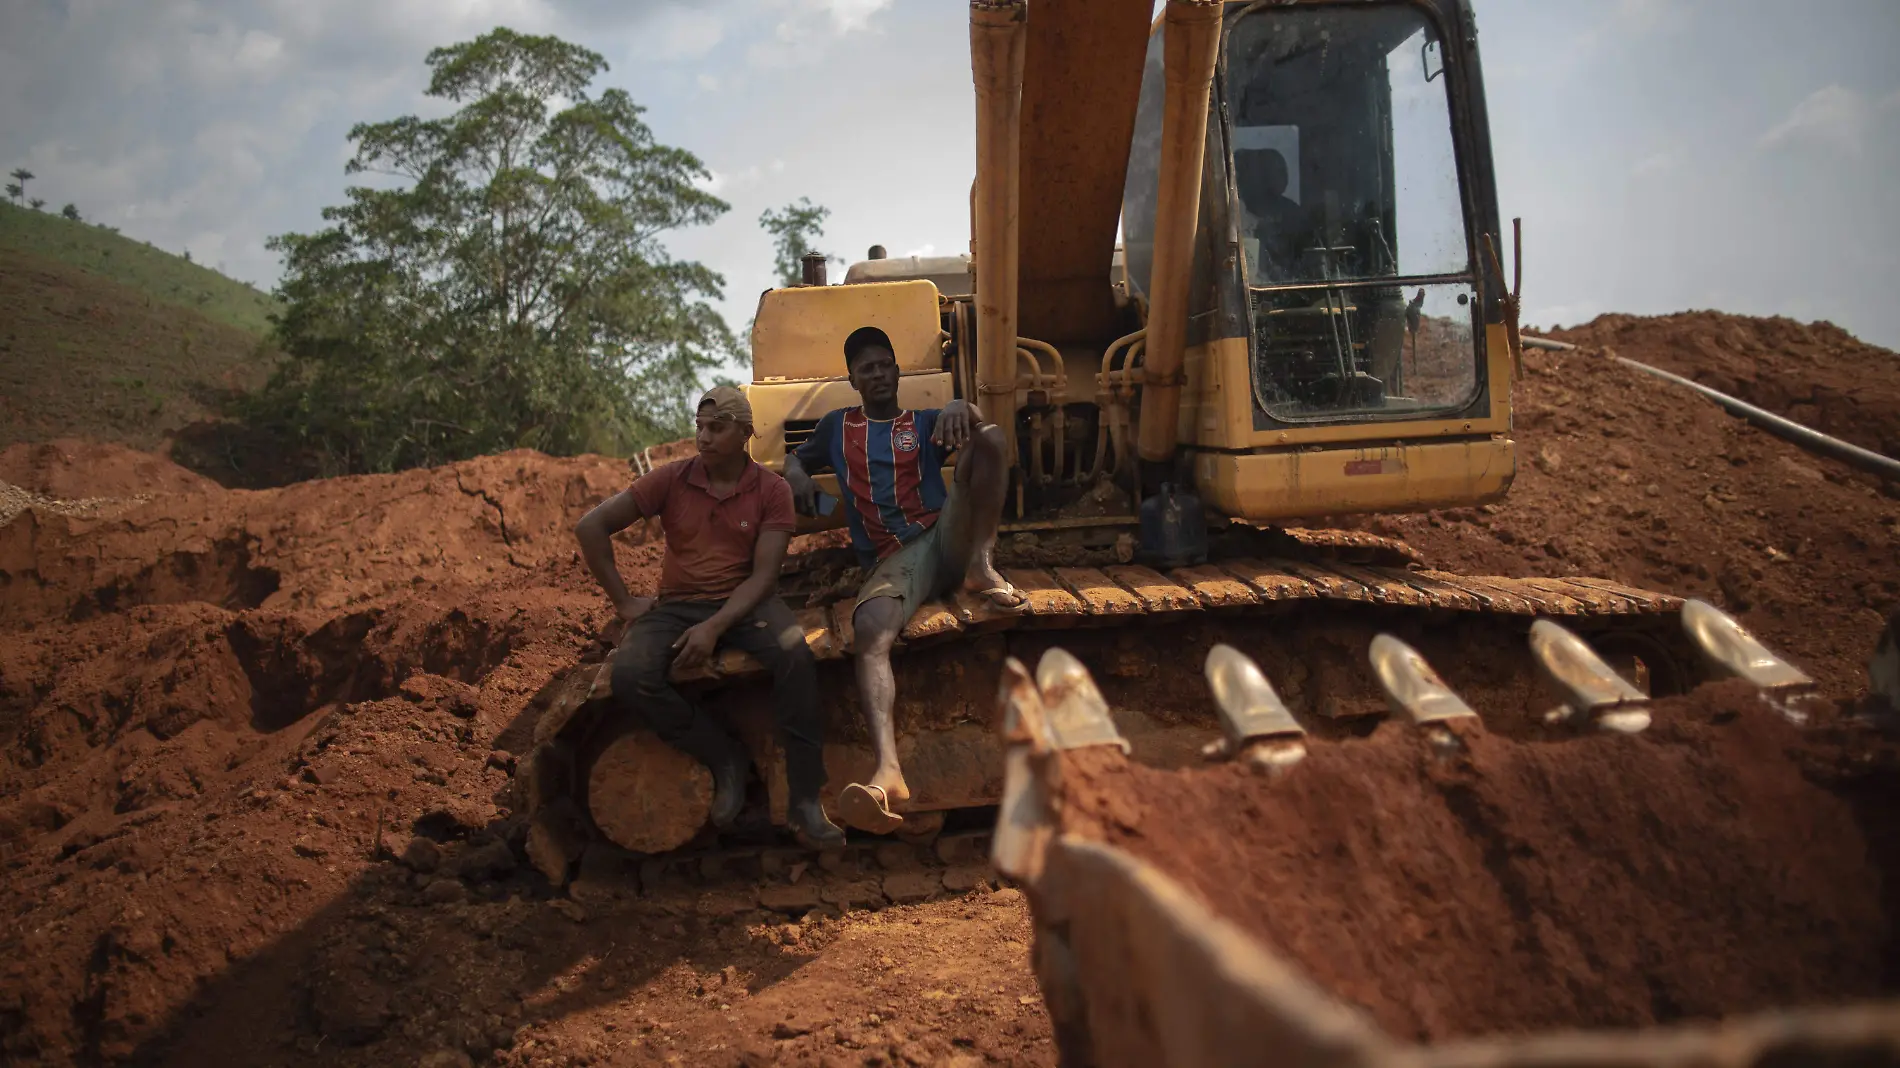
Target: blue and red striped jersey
[(889, 472)]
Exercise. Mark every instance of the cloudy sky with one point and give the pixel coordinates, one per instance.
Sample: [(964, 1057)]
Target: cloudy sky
[(1665, 154)]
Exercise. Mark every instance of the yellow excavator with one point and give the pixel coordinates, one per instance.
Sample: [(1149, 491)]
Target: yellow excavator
[(1233, 269)]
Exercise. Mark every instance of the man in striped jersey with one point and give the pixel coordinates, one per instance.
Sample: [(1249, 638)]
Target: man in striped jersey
[(915, 537)]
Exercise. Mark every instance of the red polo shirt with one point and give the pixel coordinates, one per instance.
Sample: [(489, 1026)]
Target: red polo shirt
[(710, 537)]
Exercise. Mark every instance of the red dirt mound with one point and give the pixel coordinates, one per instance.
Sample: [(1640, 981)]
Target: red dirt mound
[(1623, 476), (71, 469), (1816, 373), (211, 702), (1604, 881)]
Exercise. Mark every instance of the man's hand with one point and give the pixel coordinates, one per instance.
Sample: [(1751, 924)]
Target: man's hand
[(696, 645), (955, 423), (804, 492), (633, 608)]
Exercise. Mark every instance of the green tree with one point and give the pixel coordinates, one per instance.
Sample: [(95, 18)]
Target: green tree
[(795, 230), (22, 176), (71, 211), (14, 190), (36, 203), (504, 284)]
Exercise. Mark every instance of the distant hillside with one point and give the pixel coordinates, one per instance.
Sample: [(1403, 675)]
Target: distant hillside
[(82, 355), (153, 272)]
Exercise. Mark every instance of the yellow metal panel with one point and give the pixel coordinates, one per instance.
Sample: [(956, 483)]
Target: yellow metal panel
[(775, 402), (1317, 482), (799, 333)]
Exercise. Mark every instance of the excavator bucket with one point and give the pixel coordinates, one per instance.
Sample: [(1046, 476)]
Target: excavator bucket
[(1193, 917)]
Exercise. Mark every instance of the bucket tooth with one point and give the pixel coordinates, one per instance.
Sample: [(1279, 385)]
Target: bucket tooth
[(1730, 649), (1252, 716), (1025, 821), (1589, 686), (1077, 713), (1411, 686)]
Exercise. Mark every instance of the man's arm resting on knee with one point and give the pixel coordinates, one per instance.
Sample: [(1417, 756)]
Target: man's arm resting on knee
[(957, 422), (768, 554), (595, 532)]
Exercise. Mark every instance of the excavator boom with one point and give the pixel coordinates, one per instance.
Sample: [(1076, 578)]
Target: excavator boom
[(1081, 82)]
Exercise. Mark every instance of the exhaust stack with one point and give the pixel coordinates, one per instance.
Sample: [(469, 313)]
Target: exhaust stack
[(998, 36), (1191, 44)]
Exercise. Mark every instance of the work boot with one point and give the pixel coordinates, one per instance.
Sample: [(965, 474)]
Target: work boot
[(814, 830), (728, 790)]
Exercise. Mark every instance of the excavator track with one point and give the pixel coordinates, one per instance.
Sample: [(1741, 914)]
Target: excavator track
[(591, 783)]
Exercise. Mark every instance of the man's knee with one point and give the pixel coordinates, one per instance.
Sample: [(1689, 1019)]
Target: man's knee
[(876, 624), (987, 445), (791, 658), (642, 665), (982, 461)]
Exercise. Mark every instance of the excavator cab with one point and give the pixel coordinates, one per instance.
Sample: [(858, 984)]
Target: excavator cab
[(1335, 224), (1338, 298)]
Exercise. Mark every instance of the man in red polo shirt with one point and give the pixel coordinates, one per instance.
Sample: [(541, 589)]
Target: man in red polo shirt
[(727, 522)]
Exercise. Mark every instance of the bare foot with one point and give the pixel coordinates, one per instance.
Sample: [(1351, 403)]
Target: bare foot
[(983, 575), (872, 805), (891, 781), (997, 590)]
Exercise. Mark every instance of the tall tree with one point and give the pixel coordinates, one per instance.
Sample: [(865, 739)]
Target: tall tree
[(795, 230), (505, 283), (22, 176)]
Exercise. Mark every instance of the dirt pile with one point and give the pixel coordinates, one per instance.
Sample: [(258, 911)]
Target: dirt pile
[(153, 658), (1720, 863), (1813, 373), (252, 806), (71, 468), (1623, 476)]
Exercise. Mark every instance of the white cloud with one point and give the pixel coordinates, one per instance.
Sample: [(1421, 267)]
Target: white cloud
[(1642, 16), (725, 183), (850, 16), (806, 29), (1832, 117), (687, 34), (1656, 163)]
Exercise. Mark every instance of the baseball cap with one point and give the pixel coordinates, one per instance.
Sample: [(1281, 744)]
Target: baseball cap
[(728, 403), (863, 338)]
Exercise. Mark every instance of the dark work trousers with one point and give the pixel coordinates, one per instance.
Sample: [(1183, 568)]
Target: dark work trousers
[(769, 632)]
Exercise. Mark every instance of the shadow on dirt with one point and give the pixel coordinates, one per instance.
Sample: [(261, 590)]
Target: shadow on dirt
[(461, 956)]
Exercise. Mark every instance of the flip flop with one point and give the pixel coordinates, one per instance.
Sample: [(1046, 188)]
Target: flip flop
[(868, 809), (1005, 590)]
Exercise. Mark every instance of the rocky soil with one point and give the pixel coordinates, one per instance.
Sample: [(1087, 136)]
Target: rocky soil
[(253, 806)]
